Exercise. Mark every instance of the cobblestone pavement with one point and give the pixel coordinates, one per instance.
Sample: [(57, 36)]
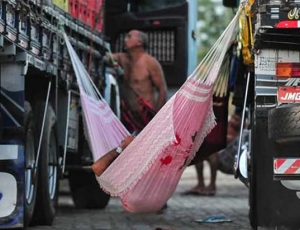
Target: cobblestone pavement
[(230, 200)]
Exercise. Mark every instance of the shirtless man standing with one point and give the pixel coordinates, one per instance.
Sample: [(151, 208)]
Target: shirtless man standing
[(143, 75)]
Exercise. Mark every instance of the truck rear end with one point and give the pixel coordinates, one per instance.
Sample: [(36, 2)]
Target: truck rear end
[(274, 154)]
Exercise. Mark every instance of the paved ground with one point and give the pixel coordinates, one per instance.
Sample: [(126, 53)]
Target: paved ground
[(231, 200)]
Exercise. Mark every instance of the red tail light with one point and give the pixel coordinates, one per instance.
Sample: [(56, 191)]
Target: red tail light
[(288, 24), (287, 70)]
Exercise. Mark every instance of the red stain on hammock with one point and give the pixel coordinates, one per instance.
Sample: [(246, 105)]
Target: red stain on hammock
[(167, 160), (178, 139)]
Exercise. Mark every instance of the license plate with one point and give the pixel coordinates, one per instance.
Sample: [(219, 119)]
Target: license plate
[(288, 94)]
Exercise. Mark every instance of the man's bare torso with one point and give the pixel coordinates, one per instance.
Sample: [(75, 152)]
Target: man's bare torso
[(137, 74)]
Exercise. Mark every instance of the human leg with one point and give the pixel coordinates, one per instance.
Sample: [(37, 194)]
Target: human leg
[(200, 177), (199, 188), (213, 163)]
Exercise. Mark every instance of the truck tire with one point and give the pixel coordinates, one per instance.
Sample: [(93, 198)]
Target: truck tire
[(85, 190), (48, 171), (271, 204), (31, 176), (284, 124)]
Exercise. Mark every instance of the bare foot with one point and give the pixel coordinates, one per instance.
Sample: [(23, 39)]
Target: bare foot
[(197, 190), (210, 191)]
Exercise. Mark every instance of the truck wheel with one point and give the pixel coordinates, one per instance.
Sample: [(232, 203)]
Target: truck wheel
[(30, 157), (284, 124), (85, 190), (48, 184)]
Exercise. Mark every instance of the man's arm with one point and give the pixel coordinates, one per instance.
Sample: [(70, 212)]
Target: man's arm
[(158, 79), (113, 57), (115, 60), (103, 162)]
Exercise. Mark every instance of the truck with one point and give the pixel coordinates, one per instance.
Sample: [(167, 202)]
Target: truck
[(268, 162), (42, 137)]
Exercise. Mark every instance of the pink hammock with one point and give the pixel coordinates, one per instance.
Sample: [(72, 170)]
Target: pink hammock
[(147, 172), (150, 167), (103, 129)]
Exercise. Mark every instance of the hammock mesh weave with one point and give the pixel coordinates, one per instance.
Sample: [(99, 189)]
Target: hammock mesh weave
[(147, 172)]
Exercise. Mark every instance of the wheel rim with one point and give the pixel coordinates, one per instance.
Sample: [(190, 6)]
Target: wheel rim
[(52, 166), (30, 172)]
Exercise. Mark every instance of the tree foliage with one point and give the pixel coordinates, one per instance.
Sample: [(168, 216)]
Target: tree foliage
[(213, 18)]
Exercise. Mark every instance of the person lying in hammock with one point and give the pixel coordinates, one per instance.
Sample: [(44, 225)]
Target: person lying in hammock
[(103, 162), (142, 76)]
